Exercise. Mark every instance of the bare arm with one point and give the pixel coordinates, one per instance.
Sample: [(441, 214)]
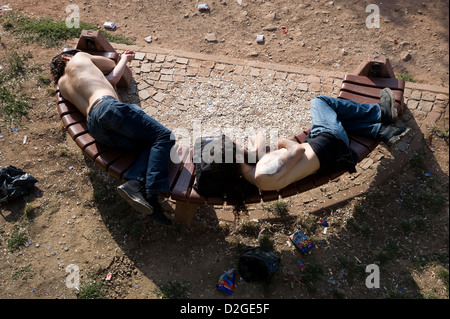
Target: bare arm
[(116, 73), (104, 64)]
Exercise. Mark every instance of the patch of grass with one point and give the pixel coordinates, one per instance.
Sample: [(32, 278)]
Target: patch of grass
[(422, 200), (17, 239), (13, 106), (250, 228), (388, 251), (405, 77), (92, 289), (279, 208), (352, 270), (23, 273), (173, 290), (310, 276), (48, 32), (444, 277), (266, 242), (416, 224)]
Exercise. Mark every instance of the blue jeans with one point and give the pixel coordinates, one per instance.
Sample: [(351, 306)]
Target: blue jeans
[(127, 126), (339, 116)]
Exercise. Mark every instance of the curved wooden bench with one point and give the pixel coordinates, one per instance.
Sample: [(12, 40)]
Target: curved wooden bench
[(361, 87)]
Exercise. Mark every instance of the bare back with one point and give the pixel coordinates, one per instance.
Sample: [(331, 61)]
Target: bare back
[(83, 82), (282, 167)]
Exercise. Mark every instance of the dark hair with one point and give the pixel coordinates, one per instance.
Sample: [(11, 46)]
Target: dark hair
[(58, 64), (225, 175)]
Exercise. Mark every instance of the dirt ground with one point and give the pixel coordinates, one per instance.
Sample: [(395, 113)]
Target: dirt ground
[(74, 215)]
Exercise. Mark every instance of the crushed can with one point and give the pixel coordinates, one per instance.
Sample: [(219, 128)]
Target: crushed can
[(226, 281), (203, 7), (109, 25), (301, 242)]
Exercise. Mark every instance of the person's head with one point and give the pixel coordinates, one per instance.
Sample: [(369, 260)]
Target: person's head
[(225, 159), (59, 62)]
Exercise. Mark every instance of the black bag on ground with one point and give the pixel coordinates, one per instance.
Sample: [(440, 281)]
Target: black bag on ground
[(14, 183), (257, 263)]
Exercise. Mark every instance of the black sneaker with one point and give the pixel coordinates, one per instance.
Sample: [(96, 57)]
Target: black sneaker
[(390, 135), (158, 215), (131, 192), (387, 105)]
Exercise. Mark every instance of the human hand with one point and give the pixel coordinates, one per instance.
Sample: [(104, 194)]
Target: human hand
[(128, 55)]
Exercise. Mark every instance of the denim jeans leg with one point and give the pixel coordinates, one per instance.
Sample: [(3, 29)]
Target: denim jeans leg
[(132, 128), (337, 114), (158, 141), (324, 119)]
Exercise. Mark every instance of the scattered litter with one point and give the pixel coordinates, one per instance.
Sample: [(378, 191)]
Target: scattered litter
[(37, 245), (324, 222), (25, 139), (430, 141), (70, 167), (108, 277), (302, 242), (428, 174), (260, 232), (226, 281), (260, 38), (15, 129), (109, 25), (6, 7), (203, 7), (301, 265), (148, 39)]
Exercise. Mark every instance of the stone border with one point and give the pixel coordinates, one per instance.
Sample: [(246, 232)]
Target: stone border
[(265, 65)]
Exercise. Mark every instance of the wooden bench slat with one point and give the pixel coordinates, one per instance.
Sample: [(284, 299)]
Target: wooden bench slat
[(66, 108), (375, 82), (369, 91), (84, 140), (77, 129), (185, 180), (121, 166), (95, 149), (268, 196), (362, 99), (178, 156), (73, 118), (105, 159)]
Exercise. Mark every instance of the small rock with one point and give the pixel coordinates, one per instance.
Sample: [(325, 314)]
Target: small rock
[(211, 37), (406, 56), (270, 28)]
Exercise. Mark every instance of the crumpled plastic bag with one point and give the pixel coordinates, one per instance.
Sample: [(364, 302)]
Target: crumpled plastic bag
[(257, 263), (14, 183)]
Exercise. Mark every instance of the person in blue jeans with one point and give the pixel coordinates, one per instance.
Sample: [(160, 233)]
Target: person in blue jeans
[(88, 82), (326, 148)]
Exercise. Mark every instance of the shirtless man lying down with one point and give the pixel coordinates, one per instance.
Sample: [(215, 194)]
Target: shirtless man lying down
[(88, 82)]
